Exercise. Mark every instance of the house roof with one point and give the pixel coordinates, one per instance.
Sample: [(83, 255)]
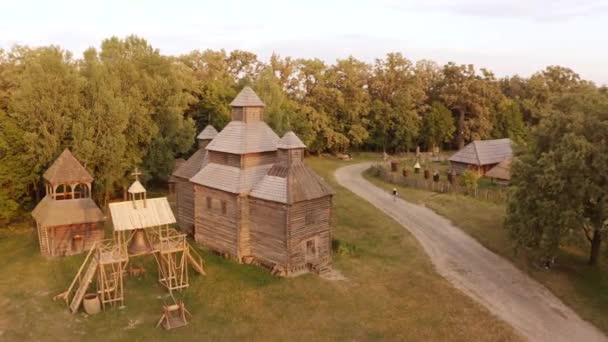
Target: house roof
[(229, 178), (67, 169), (193, 165), (484, 152), (130, 215), (247, 98), (290, 141), (207, 133), (501, 171), (178, 162), (50, 212), (291, 183), (240, 137)]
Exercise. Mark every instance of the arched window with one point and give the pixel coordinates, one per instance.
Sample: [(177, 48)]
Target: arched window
[(63, 191), (81, 191)]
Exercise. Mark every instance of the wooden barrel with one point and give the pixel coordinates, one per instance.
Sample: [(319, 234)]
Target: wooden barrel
[(394, 165), (427, 174), (405, 173)]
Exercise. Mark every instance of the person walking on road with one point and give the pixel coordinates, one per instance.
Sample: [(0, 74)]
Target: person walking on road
[(395, 194)]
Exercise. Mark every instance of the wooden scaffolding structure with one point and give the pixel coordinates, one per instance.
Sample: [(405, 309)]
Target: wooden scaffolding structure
[(141, 227)]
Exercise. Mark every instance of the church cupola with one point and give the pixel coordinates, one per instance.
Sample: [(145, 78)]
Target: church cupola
[(290, 148), (247, 106), (136, 191), (206, 136)]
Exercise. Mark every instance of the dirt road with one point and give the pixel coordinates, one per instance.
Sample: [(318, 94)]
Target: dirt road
[(486, 277)]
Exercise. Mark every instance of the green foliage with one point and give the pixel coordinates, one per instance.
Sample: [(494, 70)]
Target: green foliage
[(437, 125), (560, 194), (124, 105), (508, 121), (469, 180)]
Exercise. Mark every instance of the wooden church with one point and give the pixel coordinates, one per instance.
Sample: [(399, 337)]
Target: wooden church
[(256, 201), (67, 220)]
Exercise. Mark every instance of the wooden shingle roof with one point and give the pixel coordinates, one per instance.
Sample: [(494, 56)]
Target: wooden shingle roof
[(240, 137), (136, 188), (229, 178), (484, 152), (127, 216), (501, 171), (207, 133), (291, 183), (178, 162), (193, 165), (247, 98), (289, 141), (67, 169), (50, 212)]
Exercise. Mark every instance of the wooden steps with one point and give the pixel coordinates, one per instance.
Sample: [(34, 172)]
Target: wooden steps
[(84, 285)]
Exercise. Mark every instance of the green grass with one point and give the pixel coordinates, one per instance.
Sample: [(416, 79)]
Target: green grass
[(580, 286), (391, 292)]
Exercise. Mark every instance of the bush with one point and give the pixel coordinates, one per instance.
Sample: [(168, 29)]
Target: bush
[(343, 248), (469, 180)]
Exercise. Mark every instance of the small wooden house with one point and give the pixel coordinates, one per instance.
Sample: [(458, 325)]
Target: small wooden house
[(481, 155), (257, 200), (67, 220), (184, 189)]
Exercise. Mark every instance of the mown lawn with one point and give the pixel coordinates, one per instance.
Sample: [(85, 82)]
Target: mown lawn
[(391, 293), (580, 286)]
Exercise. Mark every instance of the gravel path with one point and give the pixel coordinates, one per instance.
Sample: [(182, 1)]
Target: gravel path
[(486, 277)]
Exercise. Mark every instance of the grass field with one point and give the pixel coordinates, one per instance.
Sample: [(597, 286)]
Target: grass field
[(580, 286), (391, 293)]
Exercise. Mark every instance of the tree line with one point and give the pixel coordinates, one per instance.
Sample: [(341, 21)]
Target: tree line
[(125, 104)]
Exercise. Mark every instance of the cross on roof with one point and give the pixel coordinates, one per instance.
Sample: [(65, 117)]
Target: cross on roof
[(136, 173)]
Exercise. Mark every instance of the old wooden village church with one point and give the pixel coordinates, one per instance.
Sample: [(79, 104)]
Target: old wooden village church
[(247, 194)]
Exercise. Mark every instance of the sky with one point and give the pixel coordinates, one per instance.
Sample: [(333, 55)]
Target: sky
[(507, 37)]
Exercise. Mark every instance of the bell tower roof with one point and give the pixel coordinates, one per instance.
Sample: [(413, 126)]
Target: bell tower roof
[(67, 169)]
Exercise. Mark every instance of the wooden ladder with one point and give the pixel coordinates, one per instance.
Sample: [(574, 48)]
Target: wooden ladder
[(84, 285), (195, 260), (43, 239)]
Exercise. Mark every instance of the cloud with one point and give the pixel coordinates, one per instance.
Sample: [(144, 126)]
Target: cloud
[(546, 10)]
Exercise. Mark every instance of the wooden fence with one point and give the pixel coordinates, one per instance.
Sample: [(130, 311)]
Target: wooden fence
[(441, 186)]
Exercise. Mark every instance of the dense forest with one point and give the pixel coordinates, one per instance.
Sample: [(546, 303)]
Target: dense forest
[(125, 105)]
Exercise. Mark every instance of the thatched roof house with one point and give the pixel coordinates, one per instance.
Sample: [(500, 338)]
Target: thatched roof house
[(481, 155), (255, 199), (67, 220)]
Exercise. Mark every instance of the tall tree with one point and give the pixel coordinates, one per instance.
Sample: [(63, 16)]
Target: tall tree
[(560, 180), (437, 126), (398, 101)]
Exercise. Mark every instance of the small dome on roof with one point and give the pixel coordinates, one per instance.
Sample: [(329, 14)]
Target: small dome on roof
[(208, 133), (136, 188), (290, 141)]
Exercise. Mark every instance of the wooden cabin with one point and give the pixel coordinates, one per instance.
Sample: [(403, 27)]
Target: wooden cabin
[(481, 155), (184, 189), (67, 220), (255, 199)]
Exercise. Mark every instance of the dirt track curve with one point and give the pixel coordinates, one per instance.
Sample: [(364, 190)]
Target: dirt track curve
[(491, 280)]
